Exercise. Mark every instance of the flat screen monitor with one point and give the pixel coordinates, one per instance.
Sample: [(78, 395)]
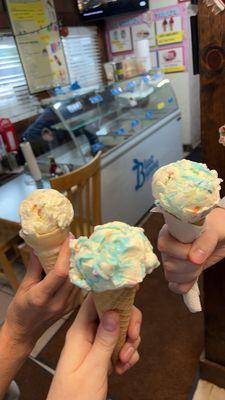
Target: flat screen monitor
[(98, 9)]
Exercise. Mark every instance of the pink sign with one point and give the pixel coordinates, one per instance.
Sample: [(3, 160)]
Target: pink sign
[(166, 30)]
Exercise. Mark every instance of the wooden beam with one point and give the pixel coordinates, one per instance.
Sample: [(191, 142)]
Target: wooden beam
[(212, 65)]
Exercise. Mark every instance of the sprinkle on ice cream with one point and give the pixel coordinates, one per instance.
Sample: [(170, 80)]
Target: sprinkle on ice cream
[(186, 189), (44, 211), (115, 256)]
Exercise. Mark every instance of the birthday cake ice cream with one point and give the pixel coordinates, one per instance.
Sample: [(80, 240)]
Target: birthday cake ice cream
[(46, 215), (110, 264), (186, 189), (44, 211), (115, 256)]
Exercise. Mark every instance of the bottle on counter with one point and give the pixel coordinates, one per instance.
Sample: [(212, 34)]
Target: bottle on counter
[(8, 135), (54, 167)]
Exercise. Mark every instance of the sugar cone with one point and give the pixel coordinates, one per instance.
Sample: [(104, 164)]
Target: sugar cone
[(120, 300), (46, 247)]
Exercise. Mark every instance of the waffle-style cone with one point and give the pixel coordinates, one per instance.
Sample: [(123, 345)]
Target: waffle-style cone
[(120, 300), (46, 247)]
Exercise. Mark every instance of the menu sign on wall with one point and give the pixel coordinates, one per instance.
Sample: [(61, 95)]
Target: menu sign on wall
[(166, 31), (36, 31)]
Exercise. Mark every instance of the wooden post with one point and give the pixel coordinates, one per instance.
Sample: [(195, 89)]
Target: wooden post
[(212, 64)]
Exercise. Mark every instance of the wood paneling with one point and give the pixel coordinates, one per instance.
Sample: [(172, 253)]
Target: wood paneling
[(212, 64), (212, 59), (4, 20)]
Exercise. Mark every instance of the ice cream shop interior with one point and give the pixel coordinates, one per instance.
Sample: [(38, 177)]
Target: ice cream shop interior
[(112, 220)]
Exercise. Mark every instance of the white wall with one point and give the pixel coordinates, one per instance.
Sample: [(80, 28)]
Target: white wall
[(187, 89), (161, 3)]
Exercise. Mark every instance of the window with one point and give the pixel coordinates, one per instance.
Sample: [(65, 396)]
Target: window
[(84, 65), (15, 101), (83, 56)]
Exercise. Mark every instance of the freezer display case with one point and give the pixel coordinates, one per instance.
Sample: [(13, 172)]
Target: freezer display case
[(136, 124)]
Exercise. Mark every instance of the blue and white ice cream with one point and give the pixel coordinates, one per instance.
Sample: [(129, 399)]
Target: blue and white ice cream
[(115, 256)]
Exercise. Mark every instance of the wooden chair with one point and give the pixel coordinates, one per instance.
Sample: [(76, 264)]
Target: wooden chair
[(82, 187), (8, 244)]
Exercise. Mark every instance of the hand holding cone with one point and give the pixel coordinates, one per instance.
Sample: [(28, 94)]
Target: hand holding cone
[(110, 264), (45, 218), (186, 192)]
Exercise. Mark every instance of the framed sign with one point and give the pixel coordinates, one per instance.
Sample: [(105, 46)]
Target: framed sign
[(36, 31), (144, 31), (172, 59), (120, 40), (166, 30), (169, 30)]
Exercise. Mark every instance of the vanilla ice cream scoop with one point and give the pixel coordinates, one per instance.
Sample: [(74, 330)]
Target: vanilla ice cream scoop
[(186, 189), (44, 211), (115, 256)]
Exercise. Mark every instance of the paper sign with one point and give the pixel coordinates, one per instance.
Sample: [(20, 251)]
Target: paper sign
[(169, 30), (172, 60), (120, 40), (144, 31), (29, 12), (36, 31), (164, 27)]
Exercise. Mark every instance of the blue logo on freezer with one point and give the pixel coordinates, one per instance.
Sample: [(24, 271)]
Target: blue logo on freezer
[(144, 170)]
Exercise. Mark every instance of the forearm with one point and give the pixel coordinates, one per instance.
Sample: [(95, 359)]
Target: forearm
[(13, 353)]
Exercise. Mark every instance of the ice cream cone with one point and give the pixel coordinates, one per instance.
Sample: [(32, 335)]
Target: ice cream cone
[(47, 246), (120, 300), (186, 233), (186, 192)]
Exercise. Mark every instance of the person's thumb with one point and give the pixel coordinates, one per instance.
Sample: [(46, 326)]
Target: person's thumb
[(106, 339), (203, 247)]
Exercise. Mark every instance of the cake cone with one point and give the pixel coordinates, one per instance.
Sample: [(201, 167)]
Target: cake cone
[(46, 247), (120, 300)]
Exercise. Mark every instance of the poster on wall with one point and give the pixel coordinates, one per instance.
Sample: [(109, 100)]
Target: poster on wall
[(172, 59), (169, 30), (144, 31), (169, 25), (120, 40), (166, 30), (36, 31)]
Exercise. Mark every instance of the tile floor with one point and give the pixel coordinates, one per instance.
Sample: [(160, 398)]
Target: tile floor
[(207, 391)]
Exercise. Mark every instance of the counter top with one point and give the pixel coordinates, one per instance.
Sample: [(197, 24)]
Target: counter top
[(15, 191)]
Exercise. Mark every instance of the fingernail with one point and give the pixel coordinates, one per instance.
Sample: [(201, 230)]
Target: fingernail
[(137, 329), (110, 322), (129, 352), (200, 255)]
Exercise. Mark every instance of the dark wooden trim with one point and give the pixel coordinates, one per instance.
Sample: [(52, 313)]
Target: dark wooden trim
[(212, 74), (4, 20)]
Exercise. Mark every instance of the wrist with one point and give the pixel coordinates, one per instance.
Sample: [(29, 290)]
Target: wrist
[(14, 340)]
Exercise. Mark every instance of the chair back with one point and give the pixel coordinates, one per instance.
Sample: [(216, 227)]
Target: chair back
[(83, 188)]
